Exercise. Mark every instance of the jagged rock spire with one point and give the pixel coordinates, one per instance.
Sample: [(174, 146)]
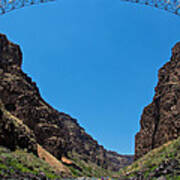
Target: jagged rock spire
[(10, 54)]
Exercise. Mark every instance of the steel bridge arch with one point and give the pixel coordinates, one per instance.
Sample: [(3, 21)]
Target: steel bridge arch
[(172, 6)]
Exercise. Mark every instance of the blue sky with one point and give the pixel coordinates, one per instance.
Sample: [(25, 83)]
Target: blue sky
[(96, 60)]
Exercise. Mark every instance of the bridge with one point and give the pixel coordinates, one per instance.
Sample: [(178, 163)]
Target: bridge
[(172, 6)]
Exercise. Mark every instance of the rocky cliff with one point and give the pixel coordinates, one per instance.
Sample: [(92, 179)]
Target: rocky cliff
[(56, 131), (13, 133), (160, 121), (162, 163)]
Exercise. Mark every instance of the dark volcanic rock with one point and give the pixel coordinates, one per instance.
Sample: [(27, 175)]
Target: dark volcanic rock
[(160, 121), (168, 168), (13, 133), (57, 132)]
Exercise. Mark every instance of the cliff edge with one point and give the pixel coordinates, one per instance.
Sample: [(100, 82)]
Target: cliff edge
[(57, 132), (160, 121)]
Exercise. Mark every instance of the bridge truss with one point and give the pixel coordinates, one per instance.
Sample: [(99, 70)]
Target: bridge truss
[(9, 5), (172, 6)]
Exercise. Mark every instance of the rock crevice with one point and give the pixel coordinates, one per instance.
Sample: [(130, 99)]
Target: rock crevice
[(156, 121)]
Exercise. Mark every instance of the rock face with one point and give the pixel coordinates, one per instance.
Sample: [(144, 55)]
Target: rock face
[(57, 132), (160, 121), (13, 133)]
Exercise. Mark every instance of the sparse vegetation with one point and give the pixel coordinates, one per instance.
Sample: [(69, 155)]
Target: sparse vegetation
[(88, 169), (23, 163), (164, 160)]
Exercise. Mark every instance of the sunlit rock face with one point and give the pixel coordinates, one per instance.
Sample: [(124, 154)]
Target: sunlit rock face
[(160, 121), (56, 131)]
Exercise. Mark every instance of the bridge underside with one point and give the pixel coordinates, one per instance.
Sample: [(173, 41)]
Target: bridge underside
[(172, 6), (9, 5)]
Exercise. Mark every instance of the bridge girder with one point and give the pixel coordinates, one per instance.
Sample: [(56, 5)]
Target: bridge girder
[(172, 6)]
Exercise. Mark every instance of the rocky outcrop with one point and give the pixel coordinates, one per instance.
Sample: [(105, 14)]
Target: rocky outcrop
[(55, 131), (14, 134), (160, 121), (167, 169), (161, 163)]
